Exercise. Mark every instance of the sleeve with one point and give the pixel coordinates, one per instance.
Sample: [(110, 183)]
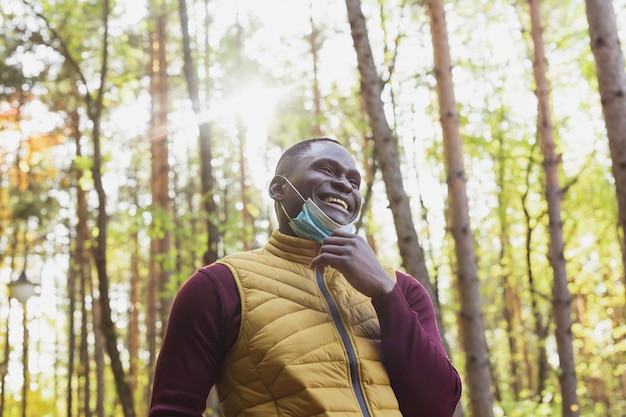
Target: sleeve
[(421, 374), (202, 327)]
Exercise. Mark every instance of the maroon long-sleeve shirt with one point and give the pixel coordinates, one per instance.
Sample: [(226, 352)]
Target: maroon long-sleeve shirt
[(204, 325)]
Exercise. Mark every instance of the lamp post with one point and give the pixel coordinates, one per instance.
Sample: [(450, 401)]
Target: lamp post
[(4, 367), (22, 289)]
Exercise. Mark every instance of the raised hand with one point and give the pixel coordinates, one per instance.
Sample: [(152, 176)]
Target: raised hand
[(351, 255)]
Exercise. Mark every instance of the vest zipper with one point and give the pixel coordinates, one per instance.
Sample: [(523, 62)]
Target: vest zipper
[(343, 333)]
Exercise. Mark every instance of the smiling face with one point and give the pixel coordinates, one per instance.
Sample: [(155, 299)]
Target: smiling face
[(325, 172)]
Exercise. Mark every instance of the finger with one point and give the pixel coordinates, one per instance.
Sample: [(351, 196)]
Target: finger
[(317, 263), (343, 240), (335, 241), (339, 232), (338, 250), (337, 261)]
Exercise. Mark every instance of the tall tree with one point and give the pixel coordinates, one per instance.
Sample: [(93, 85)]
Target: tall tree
[(511, 305), (82, 272), (136, 297), (95, 108), (315, 41), (75, 270), (387, 159), (159, 265), (386, 154), (609, 59), (247, 220), (238, 74), (472, 326), (541, 323), (207, 179), (561, 297)]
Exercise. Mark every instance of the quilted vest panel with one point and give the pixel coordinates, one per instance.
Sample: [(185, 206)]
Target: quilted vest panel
[(289, 359)]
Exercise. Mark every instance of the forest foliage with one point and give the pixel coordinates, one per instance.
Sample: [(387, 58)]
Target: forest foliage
[(85, 101)]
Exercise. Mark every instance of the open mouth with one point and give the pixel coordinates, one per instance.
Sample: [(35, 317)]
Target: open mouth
[(337, 201)]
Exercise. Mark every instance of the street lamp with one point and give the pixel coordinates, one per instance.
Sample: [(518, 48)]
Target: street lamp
[(22, 289)]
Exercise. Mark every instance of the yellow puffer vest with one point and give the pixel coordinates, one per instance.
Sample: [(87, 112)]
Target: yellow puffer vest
[(299, 333)]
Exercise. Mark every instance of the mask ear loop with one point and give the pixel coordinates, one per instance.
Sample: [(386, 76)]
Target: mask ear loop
[(282, 206), (284, 211), (291, 185)]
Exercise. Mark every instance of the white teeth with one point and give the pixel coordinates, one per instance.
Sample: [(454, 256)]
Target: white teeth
[(337, 201)]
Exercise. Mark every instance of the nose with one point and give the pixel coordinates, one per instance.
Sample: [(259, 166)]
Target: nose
[(342, 183)]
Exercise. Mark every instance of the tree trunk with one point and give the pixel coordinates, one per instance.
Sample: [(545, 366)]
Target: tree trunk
[(247, 221), (76, 267), (560, 292), (386, 155), (387, 160), (510, 310), (541, 325), (99, 347), (160, 166), (71, 335), (82, 268), (206, 175), (207, 180), (370, 168), (477, 358), (607, 52), (158, 303), (512, 306), (315, 43), (134, 345), (94, 113), (100, 244)]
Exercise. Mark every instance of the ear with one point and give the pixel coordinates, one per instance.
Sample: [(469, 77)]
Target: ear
[(277, 188)]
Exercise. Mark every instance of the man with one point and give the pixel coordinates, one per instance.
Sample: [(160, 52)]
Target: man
[(310, 325)]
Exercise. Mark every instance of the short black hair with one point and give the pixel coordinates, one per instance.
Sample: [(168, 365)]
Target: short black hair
[(294, 152)]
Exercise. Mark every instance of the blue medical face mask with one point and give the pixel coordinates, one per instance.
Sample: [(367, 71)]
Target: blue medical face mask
[(312, 223)]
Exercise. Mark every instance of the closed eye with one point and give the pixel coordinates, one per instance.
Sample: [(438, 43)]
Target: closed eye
[(327, 170)]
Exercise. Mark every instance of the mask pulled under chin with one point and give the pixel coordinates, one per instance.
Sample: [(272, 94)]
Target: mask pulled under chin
[(312, 223)]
